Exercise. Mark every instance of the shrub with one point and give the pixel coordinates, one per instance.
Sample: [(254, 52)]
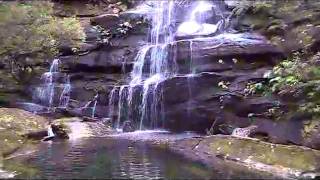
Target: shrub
[(30, 34), (297, 77)]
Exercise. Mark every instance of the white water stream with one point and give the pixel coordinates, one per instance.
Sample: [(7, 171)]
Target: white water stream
[(52, 88), (154, 63)]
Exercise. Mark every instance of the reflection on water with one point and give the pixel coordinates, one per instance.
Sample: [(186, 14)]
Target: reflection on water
[(108, 158), (154, 135)]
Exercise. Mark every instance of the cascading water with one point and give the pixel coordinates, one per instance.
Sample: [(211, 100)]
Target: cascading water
[(141, 100), (195, 23), (94, 103), (55, 85), (48, 91), (121, 104), (94, 106), (65, 95), (151, 67)]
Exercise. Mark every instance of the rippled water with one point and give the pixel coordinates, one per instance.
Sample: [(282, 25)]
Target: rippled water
[(111, 158)]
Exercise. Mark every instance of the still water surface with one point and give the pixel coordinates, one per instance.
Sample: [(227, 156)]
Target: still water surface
[(113, 158)]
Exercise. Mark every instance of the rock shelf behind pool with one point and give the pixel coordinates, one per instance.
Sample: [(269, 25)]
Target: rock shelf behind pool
[(282, 160)]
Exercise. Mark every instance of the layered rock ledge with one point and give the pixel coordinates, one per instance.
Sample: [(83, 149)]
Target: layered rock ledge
[(281, 160)]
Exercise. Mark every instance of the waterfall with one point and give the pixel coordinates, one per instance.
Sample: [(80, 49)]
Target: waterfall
[(150, 68), (94, 106), (54, 66), (141, 100), (121, 104), (112, 101), (65, 95), (56, 85), (48, 91), (50, 132), (195, 22), (94, 103)]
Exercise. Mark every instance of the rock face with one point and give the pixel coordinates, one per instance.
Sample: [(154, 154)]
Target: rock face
[(226, 52), (281, 160), (107, 21), (224, 64)]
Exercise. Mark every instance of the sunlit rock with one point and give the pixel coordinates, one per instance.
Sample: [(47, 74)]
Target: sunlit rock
[(201, 11), (192, 28)]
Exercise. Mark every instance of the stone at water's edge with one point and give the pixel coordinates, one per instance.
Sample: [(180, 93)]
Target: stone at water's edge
[(128, 126), (14, 123), (282, 160), (77, 128)]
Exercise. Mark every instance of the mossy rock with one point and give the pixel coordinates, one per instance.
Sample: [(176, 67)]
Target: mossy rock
[(281, 23), (14, 123), (290, 158), (25, 171)]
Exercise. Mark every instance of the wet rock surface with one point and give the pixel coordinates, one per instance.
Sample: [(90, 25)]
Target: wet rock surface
[(281, 160), (59, 131), (128, 127)]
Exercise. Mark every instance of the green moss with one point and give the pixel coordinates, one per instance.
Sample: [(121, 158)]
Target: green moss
[(196, 170), (310, 127), (288, 7), (10, 141), (13, 124), (276, 155), (280, 18), (303, 34), (28, 172)]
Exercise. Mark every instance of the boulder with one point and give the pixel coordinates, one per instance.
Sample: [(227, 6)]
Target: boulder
[(128, 127), (244, 132), (310, 132), (107, 21), (59, 131), (15, 126), (37, 135)]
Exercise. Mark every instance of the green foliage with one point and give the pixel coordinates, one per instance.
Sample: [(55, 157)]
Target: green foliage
[(295, 77), (295, 73), (254, 88), (253, 7), (288, 74), (30, 34), (121, 30)]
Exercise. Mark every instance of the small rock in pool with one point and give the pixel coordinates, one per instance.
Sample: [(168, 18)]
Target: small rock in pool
[(59, 131), (127, 127)]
